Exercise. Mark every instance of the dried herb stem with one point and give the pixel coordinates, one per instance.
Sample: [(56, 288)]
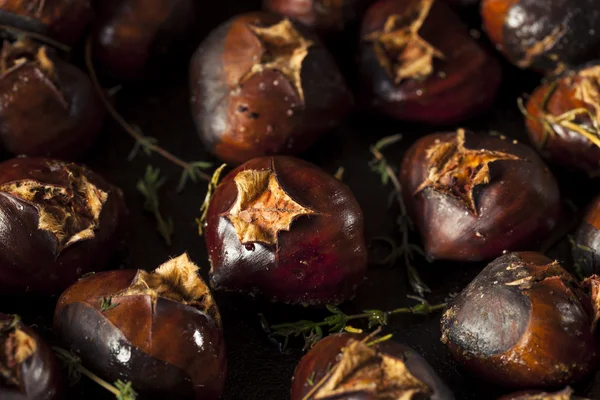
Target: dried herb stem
[(121, 390), (149, 187), (407, 250), (36, 36), (212, 185), (191, 170)]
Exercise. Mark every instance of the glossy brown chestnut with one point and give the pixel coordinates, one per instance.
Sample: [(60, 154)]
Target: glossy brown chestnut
[(28, 368), (132, 36), (283, 228), (58, 221), (563, 119), (586, 252), (325, 16), (523, 322), (474, 196), (160, 330), (347, 367), (418, 63), (546, 36), (48, 107), (62, 20), (262, 85), (565, 394)]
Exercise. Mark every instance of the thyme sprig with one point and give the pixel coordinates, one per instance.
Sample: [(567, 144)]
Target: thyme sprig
[(407, 250), (107, 304), (121, 390), (313, 331), (149, 187), (191, 170), (212, 185)]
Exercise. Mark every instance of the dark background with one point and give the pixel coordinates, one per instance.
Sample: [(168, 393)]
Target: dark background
[(257, 369)]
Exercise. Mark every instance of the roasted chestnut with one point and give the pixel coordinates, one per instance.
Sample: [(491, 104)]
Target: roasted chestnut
[(325, 16), (563, 119), (586, 249), (262, 85), (49, 107), (419, 63), (472, 197), (62, 20), (346, 366), (548, 36), (523, 322), (28, 368), (565, 394), (160, 330), (283, 228), (58, 221), (132, 36)]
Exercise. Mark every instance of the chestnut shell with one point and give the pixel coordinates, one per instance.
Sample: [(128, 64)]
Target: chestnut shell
[(548, 36), (586, 251), (462, 85), (320, 260), (62, 20), (265, 114), (518, 208), (131, 38), (38, 376), (30, 258), (53, 113), (548, 342), (562, 144), (565, 394), (317, 362), (185, 352)]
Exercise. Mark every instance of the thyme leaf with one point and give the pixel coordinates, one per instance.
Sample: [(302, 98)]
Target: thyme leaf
[(212, 185), (107, 304), (149, 187)]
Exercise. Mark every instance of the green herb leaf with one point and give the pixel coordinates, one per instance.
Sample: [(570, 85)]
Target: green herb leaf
[(149, 187)]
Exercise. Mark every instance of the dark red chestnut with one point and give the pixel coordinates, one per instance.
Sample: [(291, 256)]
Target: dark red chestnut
[(586, 251), (130, 36), (348, 367), (565, 394), (28, 368), (262, 85), (49, 107), (325, 16), (523, 322), (419, 63), (474, 196), (58, 221), (160, 330), (547, 36), (563, 119), (283, 228), (62, 20)]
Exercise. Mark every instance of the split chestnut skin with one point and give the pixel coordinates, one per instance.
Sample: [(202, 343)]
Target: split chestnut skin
[(28, 367), (419, 63), (283, 228), (58, 221), (264, 85), (474, 196), (346, 366), (161, 330), (524, 322), (586, 252)]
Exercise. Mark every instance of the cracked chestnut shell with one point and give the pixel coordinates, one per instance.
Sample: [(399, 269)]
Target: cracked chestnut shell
[(58, 221), (283, 228), (263, 85), (49, 107), (327, 17), (418, 63), (546, 36), (474, 196), (586, 251), (523, 322), (161, 330), (360, 371), (565, 394), (62, 20), (28, 367), (563, 119), (131, 38)]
